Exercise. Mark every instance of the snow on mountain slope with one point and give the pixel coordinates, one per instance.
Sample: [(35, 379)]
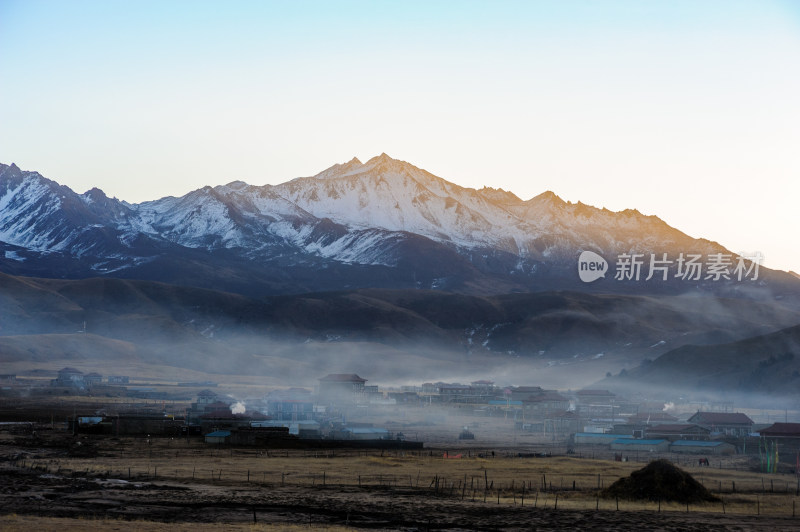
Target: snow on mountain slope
[(352, 212), (398, 196)]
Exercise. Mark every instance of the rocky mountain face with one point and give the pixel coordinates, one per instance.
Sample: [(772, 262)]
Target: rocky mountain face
[(382, 224)]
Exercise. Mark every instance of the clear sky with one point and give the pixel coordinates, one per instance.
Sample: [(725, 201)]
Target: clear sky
[(686, 110)]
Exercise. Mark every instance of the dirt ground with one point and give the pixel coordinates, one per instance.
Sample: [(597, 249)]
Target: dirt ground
[(56, 481)]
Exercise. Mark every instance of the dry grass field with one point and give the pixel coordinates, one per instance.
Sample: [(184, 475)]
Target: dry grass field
[(91, 482)]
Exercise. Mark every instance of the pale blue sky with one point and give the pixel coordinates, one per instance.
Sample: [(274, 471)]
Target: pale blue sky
[(686, 110)]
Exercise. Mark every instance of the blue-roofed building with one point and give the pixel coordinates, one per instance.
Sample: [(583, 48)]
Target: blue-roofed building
[(218, 436), (649, 446), (598, 438), (702, 447)]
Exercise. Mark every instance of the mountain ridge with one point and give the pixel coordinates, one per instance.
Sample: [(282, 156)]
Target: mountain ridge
[(194, 328), (383, 223)]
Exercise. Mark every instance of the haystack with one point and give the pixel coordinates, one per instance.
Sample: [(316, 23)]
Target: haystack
[(660, 480)]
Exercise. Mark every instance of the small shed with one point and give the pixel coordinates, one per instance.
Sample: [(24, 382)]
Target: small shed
[(631, 445), (702, 447), (218, 436)]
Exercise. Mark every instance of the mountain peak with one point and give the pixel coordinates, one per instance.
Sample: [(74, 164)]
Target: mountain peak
[(380, 159), (498, 195), (95, 194), (548, 196), (354, 160)]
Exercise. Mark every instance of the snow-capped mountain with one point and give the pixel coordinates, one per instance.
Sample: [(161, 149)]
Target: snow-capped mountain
[(380, 223)]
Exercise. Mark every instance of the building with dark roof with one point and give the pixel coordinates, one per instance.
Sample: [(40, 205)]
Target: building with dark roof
[(652, 418), (702, 447), (69, 377), (781, 430), (341, 388), (728, 423), (92, 379), (678, 431)]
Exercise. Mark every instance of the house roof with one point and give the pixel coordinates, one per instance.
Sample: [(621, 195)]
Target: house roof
[(653, 416), (367, 430), (219, 434), (692, 443), (722, 418), (93, 374), (596, 392), (631, 441), (676, 428), (71, 370), (566, 414), (342, 377), (603, 435), (782, 429), (546, 397)]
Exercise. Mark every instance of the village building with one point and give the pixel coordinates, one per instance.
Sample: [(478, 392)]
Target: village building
[(262, 436), (455, 393), (597, 438), (678, 431), (226, 420), (119, 379), (702, 447), (69, 377), (634, 445), (521, 393), (218, 437), (365, 433), (597, 403), (782, 431), (294, 404), (546, 403), (304, 429), (652, 418), (786, 437), (92, 379), (341, 388), (561, 423), (429, 388), (483, 387), (728, 423), (402, 397)]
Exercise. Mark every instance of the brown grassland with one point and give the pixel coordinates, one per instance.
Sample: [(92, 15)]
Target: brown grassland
[(60, 482)]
